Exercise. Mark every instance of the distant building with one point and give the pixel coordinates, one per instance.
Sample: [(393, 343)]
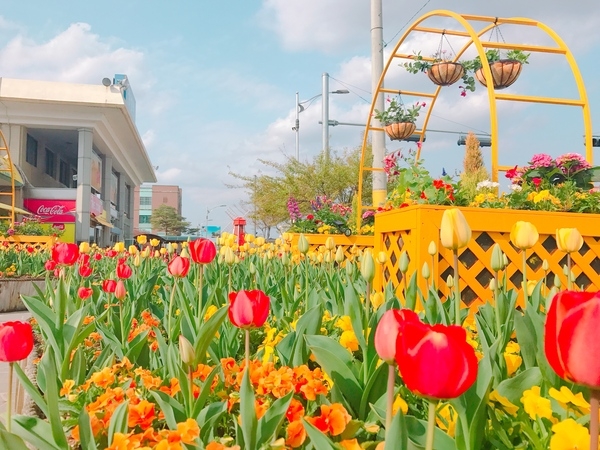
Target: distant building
[(149, 197), (79, 154)]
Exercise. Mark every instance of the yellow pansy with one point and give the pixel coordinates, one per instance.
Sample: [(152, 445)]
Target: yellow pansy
[(536, 405), (503, 402), (446, 419), (569, 435), (565, 397), (348, 340), (344, 323), (400, 404)]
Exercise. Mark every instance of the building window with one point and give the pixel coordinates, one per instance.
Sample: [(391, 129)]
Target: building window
[(63, 173), (50, 162), (31, 151), (145, 202), (127, 209), (144, 219)]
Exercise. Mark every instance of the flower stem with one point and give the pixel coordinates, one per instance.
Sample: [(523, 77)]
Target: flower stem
[(594, 403), (200, 294), (9, 397), (457, 320), (525, 295), (389, 411), (247, 348), (191, 393), (496, 305), (431, 425), (306, 284), (171, 301), (569, 281)]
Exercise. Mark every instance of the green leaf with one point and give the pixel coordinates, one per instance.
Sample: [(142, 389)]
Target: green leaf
[(417, 434), (513, 388), (208, 418), (171, 408), (48, 367), (32, 390), (11, 441), (35, 431), (271, 421), (317, 438), (204, 391), (336, 362), (397, 436), (375, 388), (118, 421), (207, 333), (285, 347), (308, 324), (44, 316), (247, 412), (86, 435), (527, 340)]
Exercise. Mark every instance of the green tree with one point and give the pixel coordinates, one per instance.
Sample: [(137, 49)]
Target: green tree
[(165, 218)]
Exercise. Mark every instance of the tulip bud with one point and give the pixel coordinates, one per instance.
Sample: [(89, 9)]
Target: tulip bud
[(404, 261), (136, 260), (327, 257), (432, 249), (251, 268), (455, 232), (450, 281), (120, 291), (229, 256), (329, 243), (157, 253), (169, 248), (184, 253), (553, 291), (303, 245), (505, 260), (497, 263), (382, 257), (285, 259), (84, 247), (565, 270), (349, 268), (493, 285), (568, 240), (425, 272), (162, 251), (545, 265), (186, 350), (367, 266), (339, 255), (557, 282), (524, 235)]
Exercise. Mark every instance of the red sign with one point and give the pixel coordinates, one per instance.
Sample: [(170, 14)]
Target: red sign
[(52, 211), (96, 205)]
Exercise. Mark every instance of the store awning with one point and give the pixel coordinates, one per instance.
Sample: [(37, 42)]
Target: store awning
[(6, 172), (102, 221), (17, 210)]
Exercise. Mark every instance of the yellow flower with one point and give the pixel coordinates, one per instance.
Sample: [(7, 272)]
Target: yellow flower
[(565, 396), (377, 299), (455, 232), (344, 323), (513, 362), (141, 239), (350, 444), (84, 247), (154, 242), (67, 387), (348, 340), (504, 403), (535, 405), (446, 419), (400, 404), (568, 240), (569, 435), (119, 247), (524, 235), (210, 311)]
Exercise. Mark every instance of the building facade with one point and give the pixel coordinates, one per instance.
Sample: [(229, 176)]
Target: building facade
[(79, 153), (149, 197)]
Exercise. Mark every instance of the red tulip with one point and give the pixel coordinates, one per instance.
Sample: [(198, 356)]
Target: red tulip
[(84, 292), (84, 259), (50, 265), (248, 309), (16, 341), (97, 256), (388, 328), (65, 253), (120, 291), (109, 286), (111, 253), (436, 361), (179, 266), (572, 338), (85, 271), (202, 251), (123, 271)]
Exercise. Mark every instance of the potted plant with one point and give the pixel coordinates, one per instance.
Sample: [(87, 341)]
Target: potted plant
[(440, 71), (505, 71), (398, 120)]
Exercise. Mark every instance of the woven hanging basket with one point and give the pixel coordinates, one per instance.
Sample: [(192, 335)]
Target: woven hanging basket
[(504, 73), (399, 131), (445, 73)]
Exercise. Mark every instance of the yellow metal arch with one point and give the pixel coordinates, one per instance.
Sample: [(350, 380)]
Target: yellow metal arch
[(8, 169), (474, 38)]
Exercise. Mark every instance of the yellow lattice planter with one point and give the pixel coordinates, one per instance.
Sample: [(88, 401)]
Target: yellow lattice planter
[(35, 241), (412, 229), (350, 244)]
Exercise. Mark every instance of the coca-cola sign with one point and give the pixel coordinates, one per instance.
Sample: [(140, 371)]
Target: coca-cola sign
[(53, 211)]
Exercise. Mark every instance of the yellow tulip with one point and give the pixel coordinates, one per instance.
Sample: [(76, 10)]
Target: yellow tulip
[(455, 232), (568, 240), (141, 239), (84, 247), (154, 242), (329, 243), (136, 260), (303, 245), (339, 255), (184, 253), (432, 249), (367, 266), (259, 241), (132, 249), (381, 257), (119, 247), (229, 256), (524, 235)]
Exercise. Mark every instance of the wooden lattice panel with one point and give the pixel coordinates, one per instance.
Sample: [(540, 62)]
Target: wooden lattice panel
[(352, 245), (417, 226)]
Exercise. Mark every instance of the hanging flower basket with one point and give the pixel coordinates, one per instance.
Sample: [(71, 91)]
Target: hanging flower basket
[(504, 73), (445, 73), (399, 131)]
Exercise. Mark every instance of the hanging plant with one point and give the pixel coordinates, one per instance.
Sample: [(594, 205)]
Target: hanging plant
[(441, 71), (505, 71), (398, 120)]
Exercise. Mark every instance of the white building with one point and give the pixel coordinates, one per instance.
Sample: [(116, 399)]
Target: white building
[(80, 154)]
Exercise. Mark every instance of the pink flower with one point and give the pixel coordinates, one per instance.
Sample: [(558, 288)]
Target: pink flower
[(536, 181), (512, 173), (542, 160)]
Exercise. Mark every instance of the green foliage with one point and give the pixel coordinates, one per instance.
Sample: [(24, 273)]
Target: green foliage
[(396, 112), (165, 218), (29, 226)]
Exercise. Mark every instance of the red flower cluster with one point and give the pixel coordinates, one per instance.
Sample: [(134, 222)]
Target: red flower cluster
[(440, 184)]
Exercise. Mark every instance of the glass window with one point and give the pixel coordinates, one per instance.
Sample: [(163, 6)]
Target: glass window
[(63, 173), (31, 151), (144, 219), (50, 160)]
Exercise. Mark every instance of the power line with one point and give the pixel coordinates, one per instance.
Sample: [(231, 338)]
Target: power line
[(407, 22)]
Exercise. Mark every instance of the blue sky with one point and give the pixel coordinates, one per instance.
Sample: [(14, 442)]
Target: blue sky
[(215, 82)]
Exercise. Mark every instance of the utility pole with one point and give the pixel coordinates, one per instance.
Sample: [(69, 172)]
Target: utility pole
[(297, 130), (325, 115), (378, 137)]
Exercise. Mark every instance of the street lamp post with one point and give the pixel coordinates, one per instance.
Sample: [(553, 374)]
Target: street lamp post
[(208, 210), (324, 114)]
